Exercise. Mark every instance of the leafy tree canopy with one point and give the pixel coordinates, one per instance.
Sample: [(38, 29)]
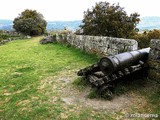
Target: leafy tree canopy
[(109, 20), (30, 22)]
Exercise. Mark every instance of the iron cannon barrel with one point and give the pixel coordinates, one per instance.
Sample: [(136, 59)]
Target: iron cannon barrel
[(111, 64)]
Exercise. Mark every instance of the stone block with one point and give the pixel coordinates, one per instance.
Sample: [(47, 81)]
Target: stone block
[(155, 49), (155, 43), (46, 40), (154, 60)]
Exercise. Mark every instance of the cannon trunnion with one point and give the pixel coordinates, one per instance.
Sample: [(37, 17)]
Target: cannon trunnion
[(110, 68)]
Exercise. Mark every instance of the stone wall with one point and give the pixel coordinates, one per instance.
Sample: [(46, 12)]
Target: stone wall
[(99, 44), (111, 46), (154, 59), (15, 38)]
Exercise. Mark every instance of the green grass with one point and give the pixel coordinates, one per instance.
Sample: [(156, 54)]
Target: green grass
[(29, 85), (24, 65), (81, 83)]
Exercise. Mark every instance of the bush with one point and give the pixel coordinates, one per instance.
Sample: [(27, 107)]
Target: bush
[(1, 39), (144, 38), (4, 36), (155, 34)]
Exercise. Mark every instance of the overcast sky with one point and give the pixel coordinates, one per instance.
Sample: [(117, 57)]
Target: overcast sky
[(66, 10)]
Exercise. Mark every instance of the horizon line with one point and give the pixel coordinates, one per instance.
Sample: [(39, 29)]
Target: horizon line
[(71, 19)]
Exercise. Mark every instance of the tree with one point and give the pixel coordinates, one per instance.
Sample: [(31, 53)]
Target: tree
[(30, 22), (109, 20)]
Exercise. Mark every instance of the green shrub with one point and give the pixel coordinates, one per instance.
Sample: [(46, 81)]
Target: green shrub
[(4, 36), (144, 38), (1, 39)]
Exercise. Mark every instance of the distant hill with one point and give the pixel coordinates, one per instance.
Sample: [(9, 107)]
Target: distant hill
[(60, 25), (149, 23), (6, 24), (146, 23), (51, 25)]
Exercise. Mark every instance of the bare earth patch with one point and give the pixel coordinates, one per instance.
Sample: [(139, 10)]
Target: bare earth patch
[(72, 96)]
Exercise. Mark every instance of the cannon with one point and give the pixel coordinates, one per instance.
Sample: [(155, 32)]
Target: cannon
[(111, 68)]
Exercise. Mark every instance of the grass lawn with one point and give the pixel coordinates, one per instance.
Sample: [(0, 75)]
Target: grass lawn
[(33, 83)]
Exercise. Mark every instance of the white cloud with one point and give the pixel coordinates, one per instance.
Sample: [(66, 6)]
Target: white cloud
[(72, 9), (143, 7)]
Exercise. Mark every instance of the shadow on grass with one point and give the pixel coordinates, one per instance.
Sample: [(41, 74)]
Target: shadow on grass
[(136, 82)]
